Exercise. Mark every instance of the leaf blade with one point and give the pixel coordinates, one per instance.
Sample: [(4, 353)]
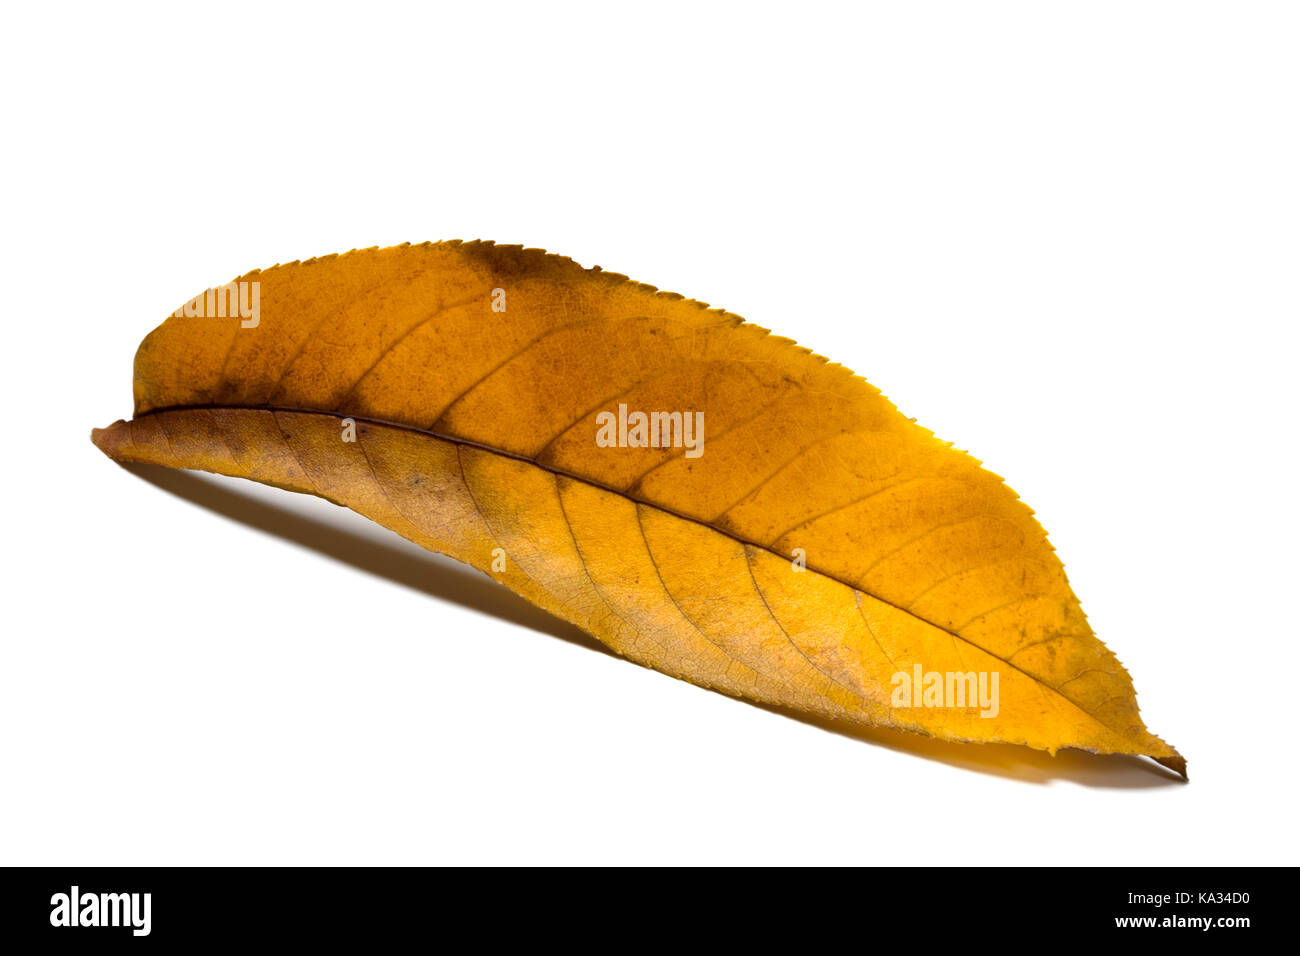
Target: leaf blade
[(801, 454)]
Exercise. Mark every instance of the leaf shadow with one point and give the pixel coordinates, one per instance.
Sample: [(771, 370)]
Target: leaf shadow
[(1012, 761), (393, 558), (390, 556)]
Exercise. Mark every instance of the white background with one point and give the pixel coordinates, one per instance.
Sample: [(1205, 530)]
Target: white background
[(1064, 236)]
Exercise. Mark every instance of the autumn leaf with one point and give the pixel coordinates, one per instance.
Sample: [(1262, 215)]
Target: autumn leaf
[(707, 499)]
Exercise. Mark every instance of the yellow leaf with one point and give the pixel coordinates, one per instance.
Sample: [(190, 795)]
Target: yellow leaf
[(772, 528)]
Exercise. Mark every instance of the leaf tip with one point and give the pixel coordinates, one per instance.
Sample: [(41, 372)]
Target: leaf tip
[(1177, 763)]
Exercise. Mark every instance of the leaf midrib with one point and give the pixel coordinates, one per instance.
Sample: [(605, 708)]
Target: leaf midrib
[(524, 459)]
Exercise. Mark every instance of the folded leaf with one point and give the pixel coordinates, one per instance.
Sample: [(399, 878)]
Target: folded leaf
[(707, 499)]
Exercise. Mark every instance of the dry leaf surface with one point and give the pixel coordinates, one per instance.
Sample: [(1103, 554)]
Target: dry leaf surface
[(811, 547)]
